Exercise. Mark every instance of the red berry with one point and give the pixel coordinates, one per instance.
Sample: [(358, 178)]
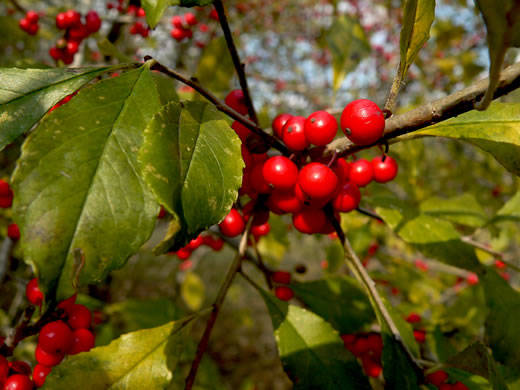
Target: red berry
[(293, 133), (214, 14), (141, 13), (437, 378), (342, 170), (190, 19), (347, 198), (78, 32), (33, 29), (242, 131), (446, 386), (309, 220), (361, 173), (420, 336), (55, 337), (459, 386), (188, 33), (235, 100), (287, 202), (307, 200), (24, 24), (4, 188), (360, 347), (40, 373), (72, 47), (20, 367), (363, 122), (257, 181), (176, 21), (283, 293), (195, 243), (500, 264), (72, 17), (55, 53), (280, 172), (18, 382), (33, 292), (413, 318), (348, 338), (384, 171), (79, 317), (92, 22), (203, 27), (4, 368), (176, 33), (371, 367), (67, 58), (61, 21), (375, 343), (67, 304), (320, 128), (317, 180), (472, 278), (32, 16), (83, 340), (233, 224), (46, 358), (279, 122), (183, 254), (282, 277), (260, 230)]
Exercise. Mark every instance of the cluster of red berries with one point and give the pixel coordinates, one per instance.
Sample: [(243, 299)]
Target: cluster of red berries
[(440, 378), (139, 27), (419, 334), (69, 335), (367, 347), (29, 23), (284, 292), (75, 32), (6, 201), (185, 252), (15, 375), (181, 26), (302, 189)]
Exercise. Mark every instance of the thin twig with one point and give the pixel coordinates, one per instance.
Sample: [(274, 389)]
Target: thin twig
[(235, 267), (482, 247), (434, 112), (239, 67), (394, 91), (369, 213), (221, 106)]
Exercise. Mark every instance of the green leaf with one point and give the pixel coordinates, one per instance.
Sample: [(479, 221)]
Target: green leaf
[(348, 45), (509, 211), (215, 69), (502, 323), (155, 8), (140, 360), (463, 209), (192, 291), (339, 300), (432, 236), (502, 19), (496, 130), (27, 94), (191, 159), (77, 184), (418, 16), (312, 353), (476, 360)]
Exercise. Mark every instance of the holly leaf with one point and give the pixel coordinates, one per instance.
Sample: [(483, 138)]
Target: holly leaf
[(348, 45), (418, 16), (463, 209), (27, 94), (215, 69), (502, 19), (312, 353), (155, 8), (432, 236), (192, 161), (497, 131), (140, 360), (80, 202), (338, 300)]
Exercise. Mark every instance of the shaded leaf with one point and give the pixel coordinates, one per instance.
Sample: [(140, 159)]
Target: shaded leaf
[(338, 300), (155, 8), (215, 69), (191, 159), (77, 184), (312, 353), (496, 130), (140, 360), (418, 16), (192, 291), (27, 94), (509, 211), (463, 209)]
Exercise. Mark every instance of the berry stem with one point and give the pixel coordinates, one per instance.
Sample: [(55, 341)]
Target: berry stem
[(239, 66), (217, 304), (369, 213)]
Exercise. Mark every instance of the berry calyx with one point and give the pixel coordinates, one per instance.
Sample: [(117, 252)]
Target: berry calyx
[(55, 337), (233, 224), (83, 340), (283, 293), (279, 122), (347, 199), (320, 128), (293, 133), (361, 172), (309, 221), (79, 317), (280, 172), (18, 382), (235, 100), (363, 122), (384, 171), (33, 292), (317, 180)]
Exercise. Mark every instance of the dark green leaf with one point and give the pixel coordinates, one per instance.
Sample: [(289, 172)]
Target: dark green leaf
[(77, 184), (140, 360), (192, 161), (312, 352), (338, 300), (463, 209), (510, 211), (27, 94), (496, 130)]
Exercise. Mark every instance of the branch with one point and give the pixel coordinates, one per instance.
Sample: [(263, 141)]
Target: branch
[(235, 267), (221, 106), (394, 91), (369, 213), (434, 112), (482, 247), (239, 66)]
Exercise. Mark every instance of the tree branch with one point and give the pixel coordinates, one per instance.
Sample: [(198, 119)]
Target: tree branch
[(482, 247), (239, 66), (394, 91), (435, 112), (235, 267), (221, 106)]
